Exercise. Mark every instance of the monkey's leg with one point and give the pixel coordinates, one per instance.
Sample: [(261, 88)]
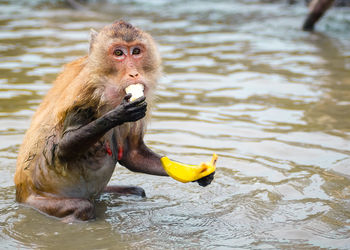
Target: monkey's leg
[(69, 209), (125, 190)]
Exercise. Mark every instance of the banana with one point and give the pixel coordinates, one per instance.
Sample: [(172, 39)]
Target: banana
[(136, 91), (186, 173)]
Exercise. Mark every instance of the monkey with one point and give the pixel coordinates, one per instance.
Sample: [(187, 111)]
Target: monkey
[(86, 124)]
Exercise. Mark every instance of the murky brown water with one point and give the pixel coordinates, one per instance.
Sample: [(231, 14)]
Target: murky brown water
[(240, 80)]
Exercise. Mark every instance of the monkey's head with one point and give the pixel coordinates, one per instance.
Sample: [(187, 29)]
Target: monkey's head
[(122, 55)]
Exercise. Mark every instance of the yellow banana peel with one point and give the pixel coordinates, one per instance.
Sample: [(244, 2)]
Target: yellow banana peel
[(186, 173)]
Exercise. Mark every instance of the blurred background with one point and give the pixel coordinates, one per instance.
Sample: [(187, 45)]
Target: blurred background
[(241, 79)]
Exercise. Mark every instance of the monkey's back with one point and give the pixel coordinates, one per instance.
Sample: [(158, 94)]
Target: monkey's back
[(43, 125)]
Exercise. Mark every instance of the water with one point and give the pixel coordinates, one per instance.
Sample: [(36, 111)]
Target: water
[(240, 79)]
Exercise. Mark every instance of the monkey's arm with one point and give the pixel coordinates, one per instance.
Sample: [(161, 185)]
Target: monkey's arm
[(78, 140), (142, 159)]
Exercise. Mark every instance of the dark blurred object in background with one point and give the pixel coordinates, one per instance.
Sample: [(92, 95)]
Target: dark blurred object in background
[(317, 8), (337, 3)]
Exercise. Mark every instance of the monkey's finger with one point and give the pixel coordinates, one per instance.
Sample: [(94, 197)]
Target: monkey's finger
[(141, 108), (142, 105), (205, 181), (127, 98), (137, 101), (136, 116)]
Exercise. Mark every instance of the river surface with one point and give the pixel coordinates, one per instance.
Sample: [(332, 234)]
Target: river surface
[(240, 79)]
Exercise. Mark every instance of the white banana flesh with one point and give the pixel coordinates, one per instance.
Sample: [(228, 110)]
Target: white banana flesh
[(136, 91)]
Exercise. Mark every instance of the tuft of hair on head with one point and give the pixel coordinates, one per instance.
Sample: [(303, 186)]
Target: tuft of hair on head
[(125, 31), (117, 30), (123, 24)]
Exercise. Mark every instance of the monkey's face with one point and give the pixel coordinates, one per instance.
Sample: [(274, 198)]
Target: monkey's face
[(126, 56), (127, 61)]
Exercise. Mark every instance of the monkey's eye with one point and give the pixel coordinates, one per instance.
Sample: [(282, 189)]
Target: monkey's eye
[(136, 51), (118, 52)]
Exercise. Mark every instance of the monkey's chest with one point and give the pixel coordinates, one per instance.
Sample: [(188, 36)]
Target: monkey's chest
[(102, 154), (97, 166)]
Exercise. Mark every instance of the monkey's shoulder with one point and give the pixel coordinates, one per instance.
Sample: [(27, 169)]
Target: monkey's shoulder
[(78, 117)]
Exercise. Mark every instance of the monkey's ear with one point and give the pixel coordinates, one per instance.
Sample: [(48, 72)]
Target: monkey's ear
[(93, 36)]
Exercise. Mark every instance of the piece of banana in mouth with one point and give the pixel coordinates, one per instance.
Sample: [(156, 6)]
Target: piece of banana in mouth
[(136, 91)]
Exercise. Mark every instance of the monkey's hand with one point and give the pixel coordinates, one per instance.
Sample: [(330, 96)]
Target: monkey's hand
[(128, 111), (205, 181)]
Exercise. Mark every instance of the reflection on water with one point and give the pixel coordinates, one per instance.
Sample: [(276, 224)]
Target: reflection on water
[(241, 80)]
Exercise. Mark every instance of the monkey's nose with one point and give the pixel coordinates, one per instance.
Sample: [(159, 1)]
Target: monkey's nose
[(134, 75)]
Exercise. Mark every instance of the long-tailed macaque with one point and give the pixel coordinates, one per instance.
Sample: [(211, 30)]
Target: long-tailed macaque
[(86, 124)]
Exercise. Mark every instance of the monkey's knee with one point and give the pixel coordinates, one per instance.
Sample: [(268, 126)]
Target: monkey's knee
[(85, 211), (71, 210)]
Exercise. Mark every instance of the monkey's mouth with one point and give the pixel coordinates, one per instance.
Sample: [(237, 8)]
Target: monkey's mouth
[(136, 91)]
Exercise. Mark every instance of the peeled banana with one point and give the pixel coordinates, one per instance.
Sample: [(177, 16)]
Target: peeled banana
[(186, 173), (136, 91)]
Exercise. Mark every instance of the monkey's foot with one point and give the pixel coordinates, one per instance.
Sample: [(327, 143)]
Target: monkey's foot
[(125, 190)]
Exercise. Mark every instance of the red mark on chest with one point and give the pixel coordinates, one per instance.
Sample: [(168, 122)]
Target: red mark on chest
[(120, 153), (108, 149)]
